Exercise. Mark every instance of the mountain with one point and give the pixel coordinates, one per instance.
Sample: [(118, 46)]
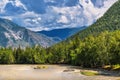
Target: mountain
[(13, 35), (61, 34), (38, 15)]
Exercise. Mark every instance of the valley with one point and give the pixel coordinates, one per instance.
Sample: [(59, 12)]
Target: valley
[(52, 47)]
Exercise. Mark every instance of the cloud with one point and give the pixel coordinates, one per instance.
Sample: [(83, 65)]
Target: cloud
[(54, 17), (63, 19), (2, 5)]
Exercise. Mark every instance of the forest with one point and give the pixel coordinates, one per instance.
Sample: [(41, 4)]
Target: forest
[(93, 51)]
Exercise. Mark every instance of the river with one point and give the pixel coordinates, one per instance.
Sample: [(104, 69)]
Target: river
[(53, 72)]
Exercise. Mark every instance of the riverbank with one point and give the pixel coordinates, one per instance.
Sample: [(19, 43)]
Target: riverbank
[(52, 72)]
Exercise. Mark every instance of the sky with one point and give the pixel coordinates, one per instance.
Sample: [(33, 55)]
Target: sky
[(38, 15)]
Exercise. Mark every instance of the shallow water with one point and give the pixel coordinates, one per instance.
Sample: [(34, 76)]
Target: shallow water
[(53, 72)]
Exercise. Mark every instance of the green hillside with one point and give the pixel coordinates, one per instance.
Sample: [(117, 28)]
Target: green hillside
[(110, 22)]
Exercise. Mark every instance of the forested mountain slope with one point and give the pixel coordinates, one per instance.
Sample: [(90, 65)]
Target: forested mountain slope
[(110, 22)]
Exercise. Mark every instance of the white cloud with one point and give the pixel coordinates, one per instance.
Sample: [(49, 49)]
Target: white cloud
[(49, 0), (63, 19), (83, 14), (2, 5), (29, 14), (8, 17), (18, 3)]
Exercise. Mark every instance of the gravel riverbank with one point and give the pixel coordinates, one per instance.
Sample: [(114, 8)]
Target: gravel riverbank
[(53, 72)]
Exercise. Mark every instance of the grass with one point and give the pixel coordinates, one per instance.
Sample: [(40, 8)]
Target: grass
[(40, 67), (89, 73), (116, 67), (112, 67), (107, 67)]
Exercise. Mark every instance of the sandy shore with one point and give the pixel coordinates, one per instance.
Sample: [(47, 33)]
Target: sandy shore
[(53, 72)]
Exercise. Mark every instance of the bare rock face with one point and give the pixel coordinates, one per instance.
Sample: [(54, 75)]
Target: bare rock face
[(13, 35)]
